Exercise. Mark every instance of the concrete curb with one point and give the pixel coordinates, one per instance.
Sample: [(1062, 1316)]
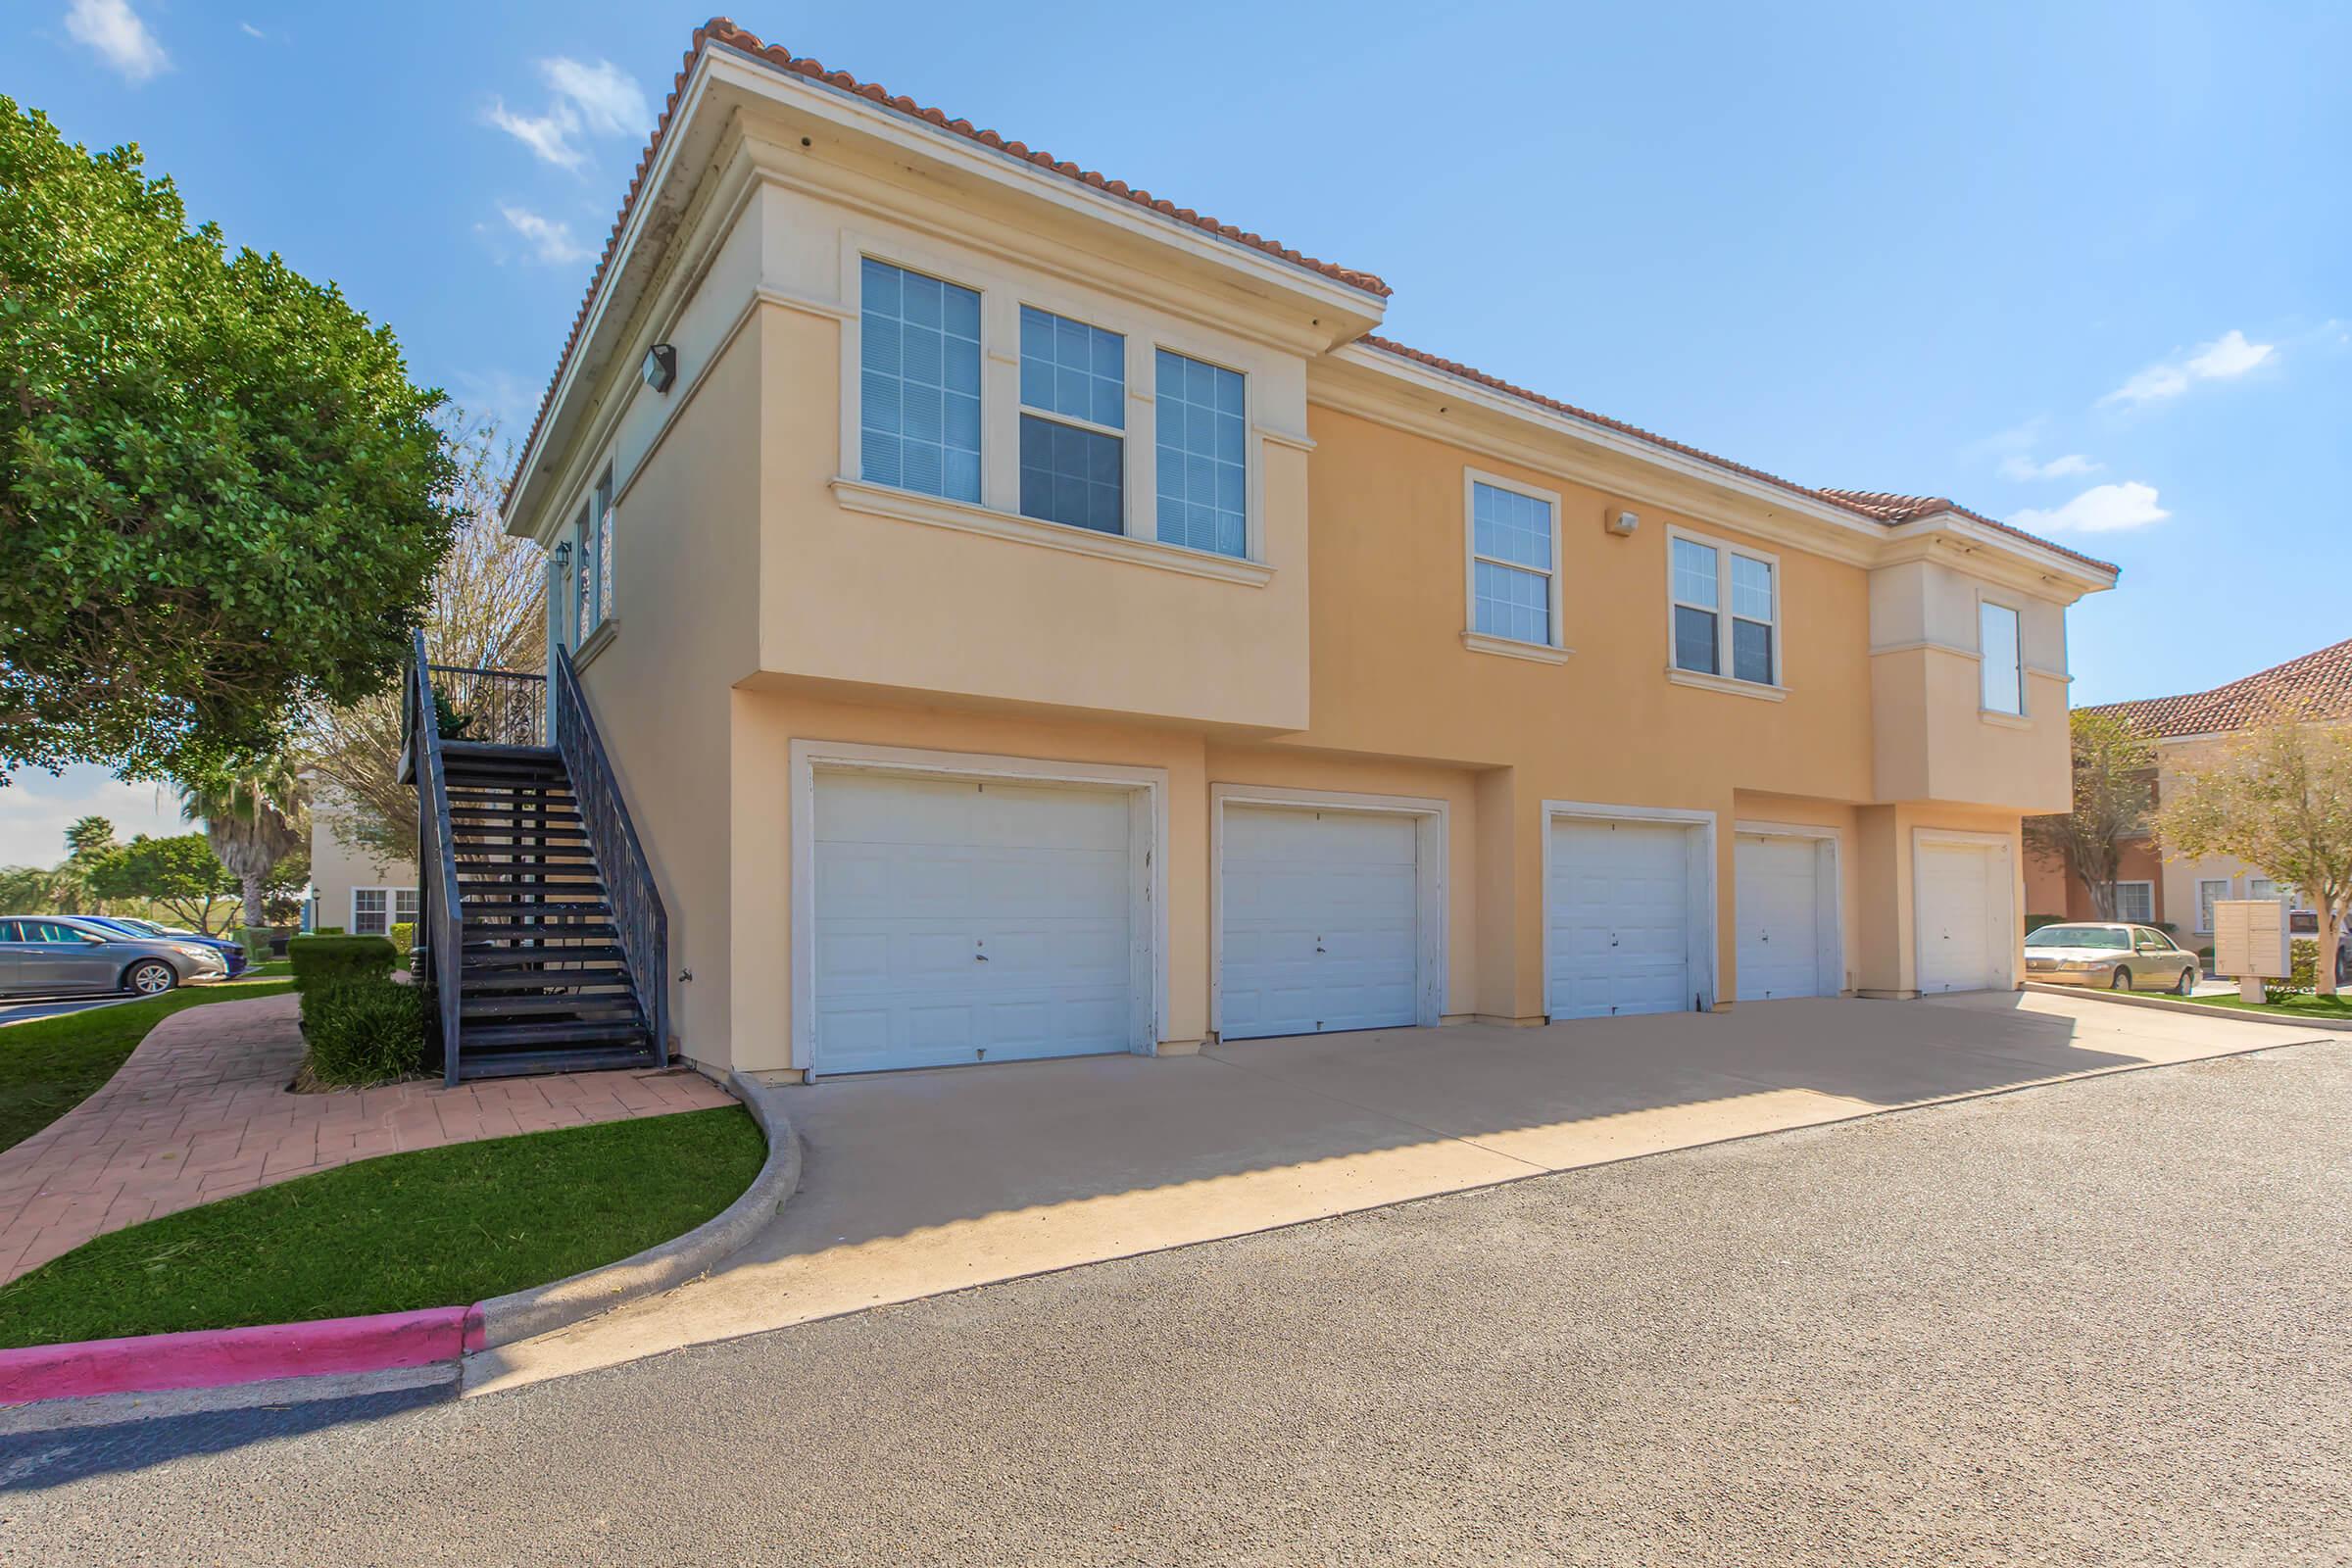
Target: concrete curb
[(545, 1308), (151, 1363), (2192, 1007)]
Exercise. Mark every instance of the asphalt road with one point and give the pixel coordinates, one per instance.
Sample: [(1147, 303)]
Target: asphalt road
[(2103, 1322), (25, 1009)]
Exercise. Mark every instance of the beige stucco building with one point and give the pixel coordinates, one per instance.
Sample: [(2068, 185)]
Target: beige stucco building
[(353, 888), (1033, 618)]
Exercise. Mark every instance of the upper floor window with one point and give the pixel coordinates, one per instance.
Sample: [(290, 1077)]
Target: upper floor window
[(1727, 610), (592, 559), (2004, 671), (918, 351), (1202, 434), (1073, 415), (1513, 564)]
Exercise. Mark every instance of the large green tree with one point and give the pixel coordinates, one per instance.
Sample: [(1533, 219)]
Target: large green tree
[(222, 502), (182, 875)]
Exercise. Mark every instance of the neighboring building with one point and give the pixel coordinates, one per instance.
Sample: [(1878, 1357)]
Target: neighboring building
[(2191, 730), (349, 887), (1030, 618)]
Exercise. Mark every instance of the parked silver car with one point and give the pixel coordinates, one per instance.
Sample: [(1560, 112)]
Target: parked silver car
[(2110, 953), (56, 954)]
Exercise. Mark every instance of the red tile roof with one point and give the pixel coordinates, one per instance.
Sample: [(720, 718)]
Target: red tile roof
[(2317, 685), (1877, 505), (722, 30)]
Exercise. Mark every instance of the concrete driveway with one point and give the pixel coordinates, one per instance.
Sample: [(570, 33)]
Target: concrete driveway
[(919, 1183)]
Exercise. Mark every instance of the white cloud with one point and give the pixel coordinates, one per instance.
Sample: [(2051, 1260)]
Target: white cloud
[(113, 29), (598, 100), (36, 809), (2018, 466), (551, 241), (606, 97), (2101, 508), (549, 135), (2225, 359), (250, 30)]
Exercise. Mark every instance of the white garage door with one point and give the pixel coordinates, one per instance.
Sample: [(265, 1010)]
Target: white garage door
[(1963, 927), (1618, 919), (963, 921), (1319, 922), (1778, 904)]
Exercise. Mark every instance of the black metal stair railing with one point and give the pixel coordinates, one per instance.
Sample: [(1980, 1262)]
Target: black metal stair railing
[(440, 920), (638, 914), (494, 706)]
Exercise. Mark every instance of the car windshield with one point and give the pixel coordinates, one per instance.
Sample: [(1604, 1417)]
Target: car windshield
[(2078, 936)]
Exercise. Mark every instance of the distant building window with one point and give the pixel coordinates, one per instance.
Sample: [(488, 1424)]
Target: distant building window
[(368, 906), (919, 355), (405, 906), (1073, 415), (1512, 559), (2004, 673), (2135, 902), (1201, 426), (2210, 893)]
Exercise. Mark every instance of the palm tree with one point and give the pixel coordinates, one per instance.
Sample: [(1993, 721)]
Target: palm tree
[(254, 818)]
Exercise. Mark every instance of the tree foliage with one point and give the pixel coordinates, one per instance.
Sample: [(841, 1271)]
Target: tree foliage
[(2277, 797), (182, 873), (222, 502), (2114, 779), (488, 612)]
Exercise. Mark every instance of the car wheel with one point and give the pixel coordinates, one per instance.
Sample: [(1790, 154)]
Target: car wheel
[(151, 977), (2121, 980), (2189, 983)]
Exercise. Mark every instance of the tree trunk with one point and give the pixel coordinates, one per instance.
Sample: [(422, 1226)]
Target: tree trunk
[(2332, 921), (253, 881)]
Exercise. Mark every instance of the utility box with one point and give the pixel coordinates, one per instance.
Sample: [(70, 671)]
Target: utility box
[(2252, 942)]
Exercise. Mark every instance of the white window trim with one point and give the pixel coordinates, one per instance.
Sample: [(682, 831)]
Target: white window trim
[(1148, 852), (1556, 648), (391, 895), (1432, 923), (1703, 906), (2136, 882), (1995, 715), (1720, 679), (2203, 907), (1003, 291)]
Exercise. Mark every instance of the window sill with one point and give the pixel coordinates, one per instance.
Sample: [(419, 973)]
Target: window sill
[(1478, 642), (1726, 685), (597, 642), (908, 505), (1993, 715)]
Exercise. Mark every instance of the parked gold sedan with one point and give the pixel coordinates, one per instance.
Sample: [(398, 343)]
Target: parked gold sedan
[(2110, 953)]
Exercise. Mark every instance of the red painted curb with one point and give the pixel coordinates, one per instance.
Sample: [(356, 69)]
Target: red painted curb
[(205, 1358)]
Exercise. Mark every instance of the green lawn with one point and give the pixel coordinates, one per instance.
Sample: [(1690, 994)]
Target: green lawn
[(2296, 1006), (50, 1066), (440, 1227)]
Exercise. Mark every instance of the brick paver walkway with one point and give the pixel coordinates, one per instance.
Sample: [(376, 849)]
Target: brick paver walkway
[(201, 1112)]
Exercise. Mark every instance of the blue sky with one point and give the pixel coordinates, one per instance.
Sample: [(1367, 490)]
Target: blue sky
[(2084, 266)]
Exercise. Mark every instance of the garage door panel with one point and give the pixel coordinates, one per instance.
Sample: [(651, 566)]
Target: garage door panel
[(1617, 936), (956, 923), (1963, 932), (1777, 904), (1320, 916)]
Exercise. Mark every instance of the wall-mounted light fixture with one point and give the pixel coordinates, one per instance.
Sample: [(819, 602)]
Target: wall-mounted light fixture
[(661, 368)]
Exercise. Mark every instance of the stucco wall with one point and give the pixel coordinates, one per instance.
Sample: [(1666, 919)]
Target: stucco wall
[(336, 867)]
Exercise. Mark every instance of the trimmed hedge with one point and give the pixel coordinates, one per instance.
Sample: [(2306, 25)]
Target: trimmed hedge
[(364, 1031), (320, 961)]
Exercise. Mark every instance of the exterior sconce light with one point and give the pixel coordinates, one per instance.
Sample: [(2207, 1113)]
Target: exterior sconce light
[(661, 368)]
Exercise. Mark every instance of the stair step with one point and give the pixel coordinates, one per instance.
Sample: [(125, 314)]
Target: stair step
[(519, 1063), (523, 930), (475, 909), (473, 978), (491, 960), (489, 1036), (496, 752), (554, 795), (595, 1009), (500, 811), (554, 880)]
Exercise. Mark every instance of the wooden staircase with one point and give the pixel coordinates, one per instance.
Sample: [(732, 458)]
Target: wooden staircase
[(544, 981)]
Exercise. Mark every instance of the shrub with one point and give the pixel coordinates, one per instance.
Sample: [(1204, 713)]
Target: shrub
[(323, 931), (403, 938), (320, 960), (2303, 972), (2034, 922), (364, 1031)]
